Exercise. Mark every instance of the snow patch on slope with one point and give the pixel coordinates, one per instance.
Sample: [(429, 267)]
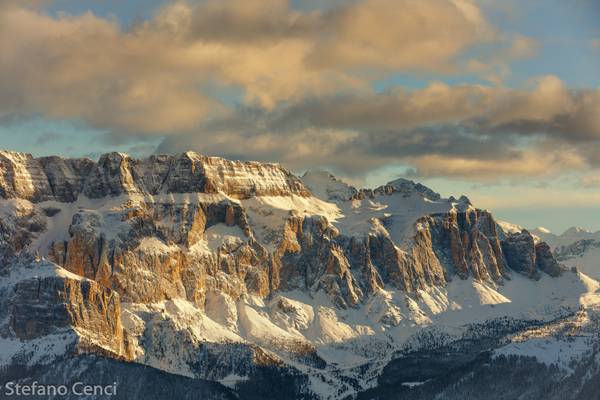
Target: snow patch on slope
[(268, 214), (578, 247), (152, 245), (326, 186), (396, 211), (36, 269), (588, 262)]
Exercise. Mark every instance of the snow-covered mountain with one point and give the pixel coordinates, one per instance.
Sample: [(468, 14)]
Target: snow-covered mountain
[(244, 280), (575, 247)]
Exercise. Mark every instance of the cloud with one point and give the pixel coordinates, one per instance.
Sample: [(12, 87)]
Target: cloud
[(302, 149), (591, 181), (153, 77), (401, 34), (523, 47), (526, 164), (31, 4), (566, 200), (475, 132), (548, 107), (84, 67)]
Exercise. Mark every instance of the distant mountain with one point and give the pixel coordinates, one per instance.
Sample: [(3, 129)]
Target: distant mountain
[(576, 247), (544, 234), (249, 281)]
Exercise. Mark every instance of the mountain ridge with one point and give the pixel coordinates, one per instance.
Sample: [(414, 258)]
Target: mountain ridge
[(55, 178), (241, 271)]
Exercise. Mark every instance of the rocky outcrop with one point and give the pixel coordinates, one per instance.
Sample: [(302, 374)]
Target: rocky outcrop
[(403, 187), (545, 261), (19, 224), (310, 259), (243, 180), (463, 244), (407, 271), (527, 257), (66, 177), (576, 249), (40, 179), (519, 250), (159, 251), (48, 303), (22, 176), (467, 244)]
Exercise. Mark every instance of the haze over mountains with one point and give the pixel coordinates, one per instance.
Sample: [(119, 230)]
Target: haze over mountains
[(232, 278)]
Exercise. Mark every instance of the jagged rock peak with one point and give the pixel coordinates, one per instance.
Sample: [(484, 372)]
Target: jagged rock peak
[(325, 185), (406, 186), (55, 178), (527, 257)]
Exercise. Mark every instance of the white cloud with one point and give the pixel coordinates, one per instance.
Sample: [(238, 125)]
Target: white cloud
[(150, 79)]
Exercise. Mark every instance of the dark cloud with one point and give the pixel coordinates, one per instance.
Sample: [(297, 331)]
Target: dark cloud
[(471, 131), (547, 109)]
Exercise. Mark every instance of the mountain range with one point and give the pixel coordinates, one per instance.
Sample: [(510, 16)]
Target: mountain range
[(193, 276)]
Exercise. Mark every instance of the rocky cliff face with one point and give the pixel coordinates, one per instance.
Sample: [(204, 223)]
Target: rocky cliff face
[(54, 178), (158, 247), (39, 300), (528, 257)]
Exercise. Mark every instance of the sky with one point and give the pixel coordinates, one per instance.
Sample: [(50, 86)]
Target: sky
[(496, 100)]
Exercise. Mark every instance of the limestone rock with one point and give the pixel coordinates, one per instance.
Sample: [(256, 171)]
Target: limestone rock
[(545, 261), (520, 253), (53, 178), (47, 303)]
